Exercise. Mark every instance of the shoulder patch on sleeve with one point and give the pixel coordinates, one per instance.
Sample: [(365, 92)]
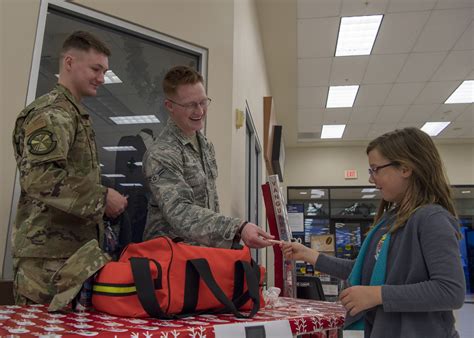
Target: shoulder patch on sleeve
[(155, 177), (41, 142), (35, 125)]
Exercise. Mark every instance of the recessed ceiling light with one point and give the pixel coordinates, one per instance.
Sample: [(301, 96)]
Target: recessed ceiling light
[(341, 96), (131, 184), (357, 34), (318, 192), (109, 77), (135, 119), (138, 164), (113, 175), (303, 193), (365, 190), (463, 94), (434, 128), (333, 130), (368, 196), (120, 148), (466, 192), (101, 165)]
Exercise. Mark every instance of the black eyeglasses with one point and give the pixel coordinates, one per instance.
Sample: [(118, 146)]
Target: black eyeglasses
[(193, 106), (373, 171)]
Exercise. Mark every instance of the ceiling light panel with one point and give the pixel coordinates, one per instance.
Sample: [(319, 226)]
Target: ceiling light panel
[(357, 34), (434, 128), (120, 148), (333, 130), (113, 175), (341, 96), (131, 184), (368, 196), (463, 94), (110, 77), (135, 119)]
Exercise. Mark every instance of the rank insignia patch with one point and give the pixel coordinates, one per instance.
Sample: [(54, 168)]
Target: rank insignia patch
[(41, 142)]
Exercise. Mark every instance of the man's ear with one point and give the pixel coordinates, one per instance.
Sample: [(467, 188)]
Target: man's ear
[(169, 105), (67, 62)]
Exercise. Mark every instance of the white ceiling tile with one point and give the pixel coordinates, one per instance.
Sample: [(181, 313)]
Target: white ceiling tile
[(391, 114), (348, 70), (383, 68), (356, 131), (448, 112), (363, 114), (466, 41), (378, 129), (410, 5), (402, 125), (456, 130), (312, 97), (336, 115), (353, 8), (317, 37), (420, 66), (314, 72), (318, 8), (372, 95), (419, 113), (442, 30), (404, 93), (309, 120), (467, 115), (436, 92), (456, 66), (447, 4), (398, 32)]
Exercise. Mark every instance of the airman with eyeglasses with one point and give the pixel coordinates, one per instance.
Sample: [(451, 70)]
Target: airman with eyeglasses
[(181, 170)]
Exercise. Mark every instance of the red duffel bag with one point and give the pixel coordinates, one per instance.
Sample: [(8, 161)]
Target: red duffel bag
[(163, 279)]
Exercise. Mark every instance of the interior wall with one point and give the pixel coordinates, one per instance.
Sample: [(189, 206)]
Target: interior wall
[(250, 83), (17, 34), (325, 166)]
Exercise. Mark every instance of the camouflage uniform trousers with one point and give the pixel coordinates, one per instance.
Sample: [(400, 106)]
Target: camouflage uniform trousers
[(33, 280)]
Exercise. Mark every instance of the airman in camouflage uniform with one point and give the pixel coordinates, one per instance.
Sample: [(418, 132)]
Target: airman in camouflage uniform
[(181, 172), (62, 201)]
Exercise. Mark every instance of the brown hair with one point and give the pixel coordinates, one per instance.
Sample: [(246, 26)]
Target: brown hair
[(180, 75), (84, 41), (428, 184)]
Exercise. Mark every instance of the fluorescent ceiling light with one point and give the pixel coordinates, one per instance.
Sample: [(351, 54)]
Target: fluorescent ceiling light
[(365, 190), (135, 119), (138, 164), (317, 192), (341, 96), (357, 34), (434, 128), (303, 193), (333, 130), (316, 196), (466, 192), (131, 184), (463, 94), (368, 196), (109, 77), (120, 148), (101, 165), (113, 175)]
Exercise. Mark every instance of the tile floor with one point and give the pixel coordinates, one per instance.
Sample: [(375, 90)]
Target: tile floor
[(464, 321)]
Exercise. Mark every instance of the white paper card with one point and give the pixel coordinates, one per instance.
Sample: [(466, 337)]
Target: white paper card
[(272, 329)]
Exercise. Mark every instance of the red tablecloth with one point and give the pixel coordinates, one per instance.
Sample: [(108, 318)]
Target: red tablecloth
[(304, 316)]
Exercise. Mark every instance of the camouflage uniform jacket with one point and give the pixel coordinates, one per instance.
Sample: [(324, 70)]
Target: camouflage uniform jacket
[(62, 201), (184, 199)]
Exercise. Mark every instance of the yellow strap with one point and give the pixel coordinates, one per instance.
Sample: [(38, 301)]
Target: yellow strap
[(114, 289)]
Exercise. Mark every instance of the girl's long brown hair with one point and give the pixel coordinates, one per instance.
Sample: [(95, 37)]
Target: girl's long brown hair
[(428, 184)]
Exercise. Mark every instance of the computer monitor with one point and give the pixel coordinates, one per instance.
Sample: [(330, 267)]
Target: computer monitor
[(309, 287)]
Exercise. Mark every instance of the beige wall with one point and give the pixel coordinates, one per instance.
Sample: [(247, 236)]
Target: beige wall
[(325, 166), (17, 34)]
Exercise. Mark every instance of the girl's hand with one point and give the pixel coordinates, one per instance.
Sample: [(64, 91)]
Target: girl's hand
[(297, 251), (359, 298)]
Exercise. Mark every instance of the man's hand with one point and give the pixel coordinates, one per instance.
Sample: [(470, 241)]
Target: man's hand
[(359, 298), (115, 203), (254, 237)]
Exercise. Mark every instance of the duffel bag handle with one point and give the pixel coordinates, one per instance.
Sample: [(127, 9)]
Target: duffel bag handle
[(200, 268), (145, 287), (239, 298)]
